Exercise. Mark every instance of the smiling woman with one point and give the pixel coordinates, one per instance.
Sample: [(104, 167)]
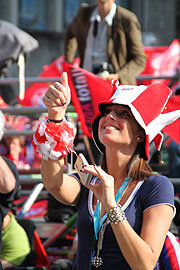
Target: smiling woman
[(118, 120), (125, 212)]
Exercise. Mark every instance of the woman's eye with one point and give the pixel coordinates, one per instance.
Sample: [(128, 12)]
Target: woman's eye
[(118, 113), (107, 111), (123, 113)]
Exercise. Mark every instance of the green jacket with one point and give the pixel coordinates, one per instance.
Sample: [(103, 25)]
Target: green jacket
[(125, 49)]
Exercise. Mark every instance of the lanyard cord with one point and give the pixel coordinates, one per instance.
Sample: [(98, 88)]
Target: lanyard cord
[(103, 227), (96, 218)]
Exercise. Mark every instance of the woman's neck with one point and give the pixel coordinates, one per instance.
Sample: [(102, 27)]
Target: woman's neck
[(117, 165)]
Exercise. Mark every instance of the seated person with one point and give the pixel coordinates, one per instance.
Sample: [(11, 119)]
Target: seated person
[(15, 146), (15, 243)]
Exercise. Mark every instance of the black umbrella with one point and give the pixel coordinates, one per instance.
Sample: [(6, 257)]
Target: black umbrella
[(15, 44)]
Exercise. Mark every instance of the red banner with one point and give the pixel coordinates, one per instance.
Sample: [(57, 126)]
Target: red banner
[(87, 91), (3, 104), (173, 130), (162, 61)]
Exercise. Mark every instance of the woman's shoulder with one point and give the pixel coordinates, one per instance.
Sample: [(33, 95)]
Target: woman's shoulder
[(157, 179), (158, 183), (157, 189)]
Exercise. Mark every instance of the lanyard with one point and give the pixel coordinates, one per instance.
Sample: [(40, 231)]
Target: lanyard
[(96, 218)]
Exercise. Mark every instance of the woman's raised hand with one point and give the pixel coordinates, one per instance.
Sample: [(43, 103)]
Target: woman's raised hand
[(103, 189), (57, 98)]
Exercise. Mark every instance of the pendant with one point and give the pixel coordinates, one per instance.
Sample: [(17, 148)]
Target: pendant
[(97, 261)]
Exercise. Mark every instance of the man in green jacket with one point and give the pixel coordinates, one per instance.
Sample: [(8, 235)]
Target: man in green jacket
[(107, 38)]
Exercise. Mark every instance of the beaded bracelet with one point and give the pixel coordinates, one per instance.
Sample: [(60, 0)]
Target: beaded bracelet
[(116, 214), (53, 141)]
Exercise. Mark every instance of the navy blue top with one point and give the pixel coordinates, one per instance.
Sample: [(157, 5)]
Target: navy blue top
[(154, 190)]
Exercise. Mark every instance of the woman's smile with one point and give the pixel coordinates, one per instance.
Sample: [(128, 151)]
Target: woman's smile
[(110, 127), (117, 125)]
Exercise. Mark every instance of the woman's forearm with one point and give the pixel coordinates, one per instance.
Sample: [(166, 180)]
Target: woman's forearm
[(52, 173), (63, 187), (142, 251), (136, 251)]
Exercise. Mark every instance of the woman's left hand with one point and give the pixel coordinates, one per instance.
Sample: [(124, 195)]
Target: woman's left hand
[(104, 188)]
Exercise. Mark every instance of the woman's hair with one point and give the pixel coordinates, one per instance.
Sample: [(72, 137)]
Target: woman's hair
[(138, 169), (19, 138)]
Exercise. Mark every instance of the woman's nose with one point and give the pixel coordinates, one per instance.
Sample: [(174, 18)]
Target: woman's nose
[(111, 116)]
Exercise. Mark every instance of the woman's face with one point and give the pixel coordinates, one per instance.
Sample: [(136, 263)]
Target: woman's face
[(118, 127), (14, 145)]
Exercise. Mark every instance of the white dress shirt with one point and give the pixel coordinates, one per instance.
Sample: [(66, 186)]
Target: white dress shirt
[(96, 47)]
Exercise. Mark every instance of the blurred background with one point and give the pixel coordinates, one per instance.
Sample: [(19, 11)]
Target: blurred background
[(46, 21)]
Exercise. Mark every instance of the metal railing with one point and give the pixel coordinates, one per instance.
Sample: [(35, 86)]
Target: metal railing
[(28, 111), (15, 80)]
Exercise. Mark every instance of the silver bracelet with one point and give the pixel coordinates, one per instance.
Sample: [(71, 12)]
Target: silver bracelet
[(116, 214)]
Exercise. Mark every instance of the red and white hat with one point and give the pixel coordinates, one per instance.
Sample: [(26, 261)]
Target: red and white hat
[(147, 104)]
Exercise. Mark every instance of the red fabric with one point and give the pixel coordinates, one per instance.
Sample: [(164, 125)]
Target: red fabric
[(38, 209), (62, 135), (163, 60), (87, 90), (143, 103), (42, 257), (171, 253), (158, 140), (173, 130), (3, 104)]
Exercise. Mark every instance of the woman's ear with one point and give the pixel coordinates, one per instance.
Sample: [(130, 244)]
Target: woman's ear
[(141, 137)]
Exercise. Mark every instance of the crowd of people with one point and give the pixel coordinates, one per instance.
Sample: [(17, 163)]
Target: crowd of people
[(19, 148)]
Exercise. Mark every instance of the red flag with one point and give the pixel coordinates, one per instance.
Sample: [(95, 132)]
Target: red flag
[(162, 61), (3, 104), (173, 130), (87, 91), (151, 52)]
